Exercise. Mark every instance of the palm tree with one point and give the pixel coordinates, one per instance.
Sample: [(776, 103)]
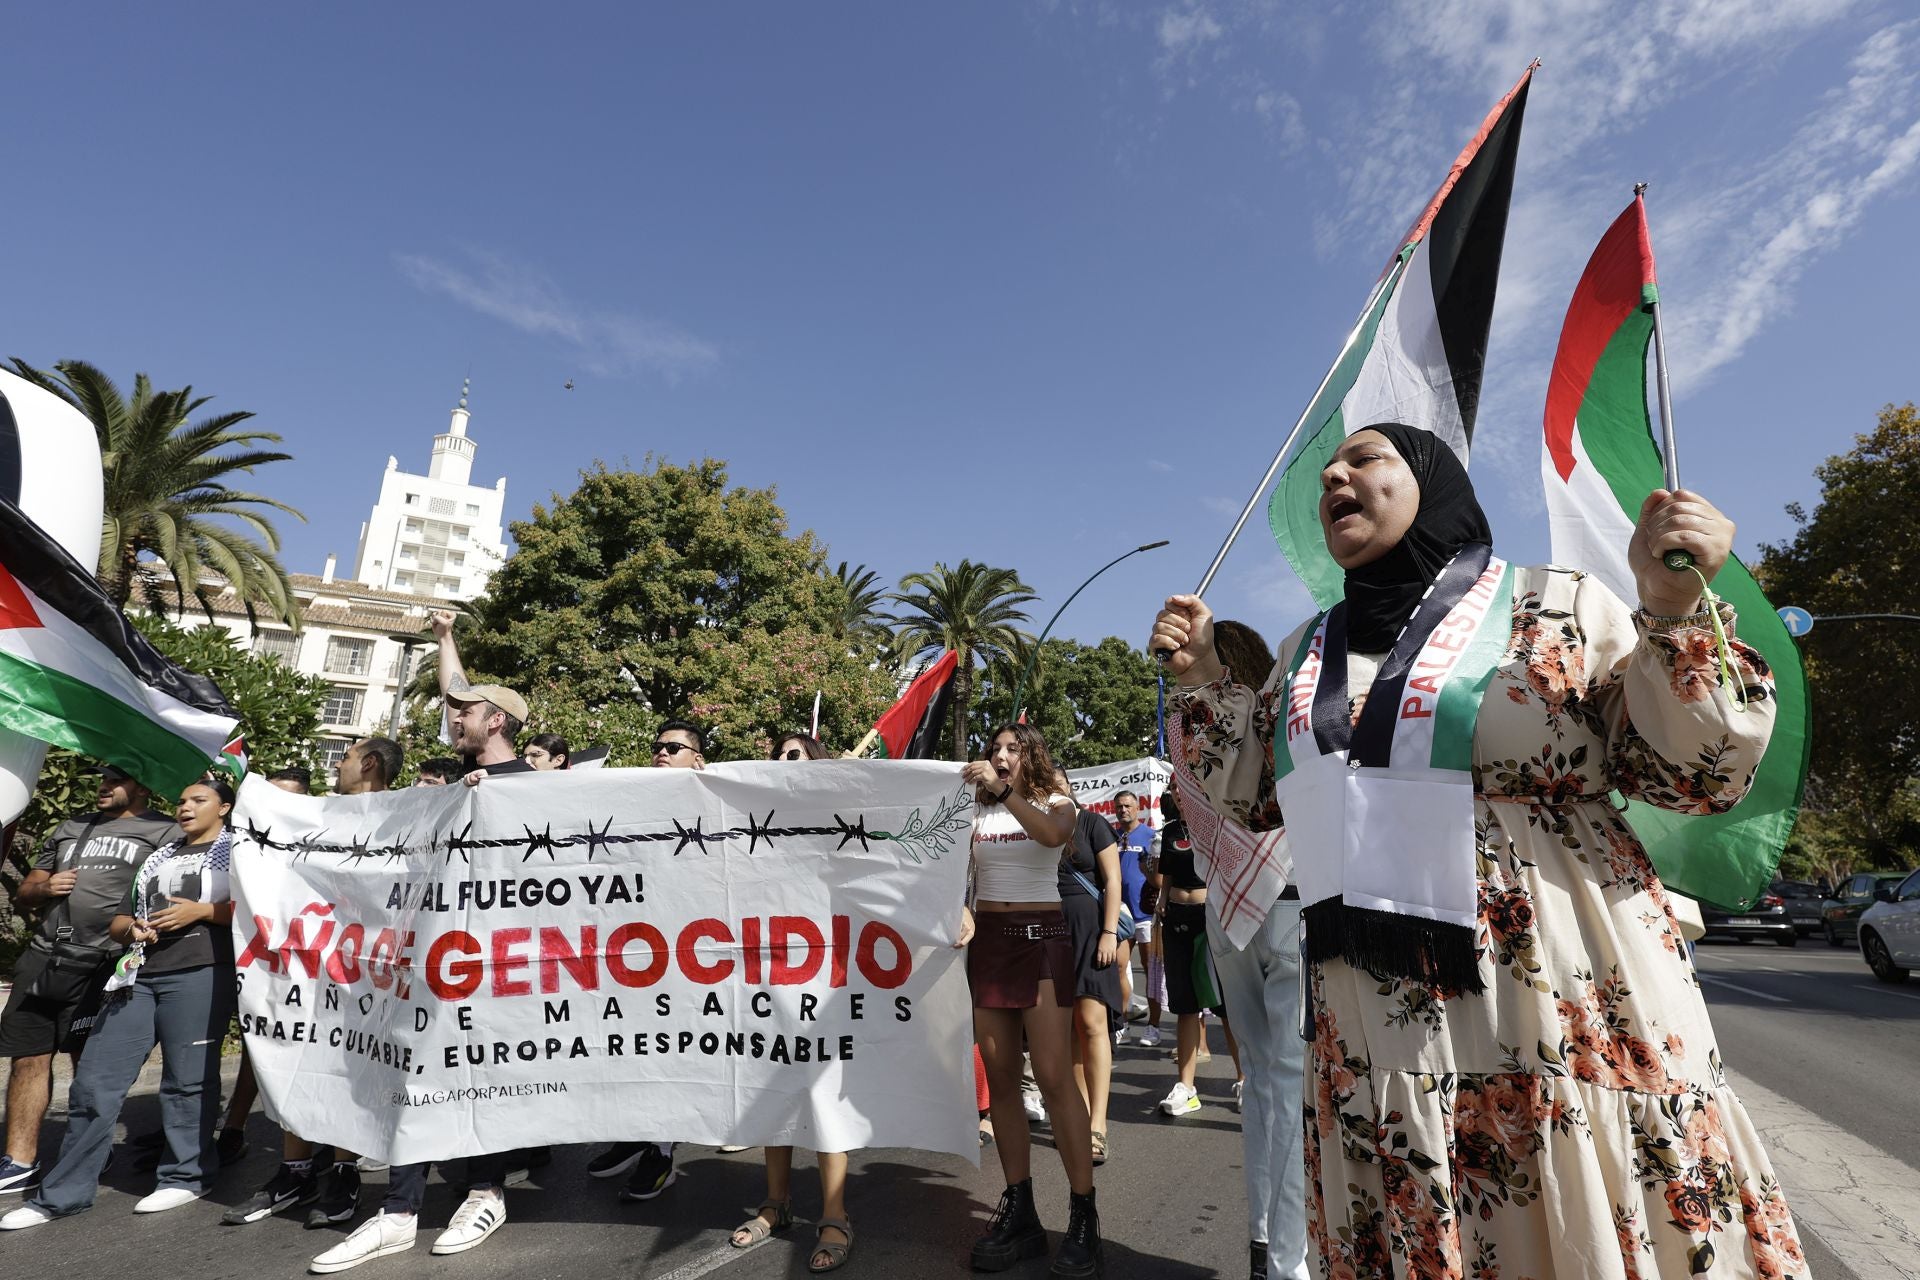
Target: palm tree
[(163, 482), (971, 609), (860, 601)]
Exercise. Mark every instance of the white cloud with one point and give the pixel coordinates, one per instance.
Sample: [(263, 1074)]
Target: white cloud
[(1162, 467), (1184, 30), (605, 342)]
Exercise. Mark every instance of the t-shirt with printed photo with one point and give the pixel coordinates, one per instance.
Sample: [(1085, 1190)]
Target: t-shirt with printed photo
[(107, 854)]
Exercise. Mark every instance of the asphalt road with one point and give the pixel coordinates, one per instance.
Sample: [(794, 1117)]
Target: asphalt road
[(1811, 1026), (1824, 1055), (1171, 1201)]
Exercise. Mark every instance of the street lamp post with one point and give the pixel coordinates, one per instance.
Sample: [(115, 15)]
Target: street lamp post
[(1034, 657), (408, 642)]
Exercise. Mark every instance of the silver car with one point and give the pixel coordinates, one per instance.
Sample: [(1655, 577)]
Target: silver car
[(1890, 931)]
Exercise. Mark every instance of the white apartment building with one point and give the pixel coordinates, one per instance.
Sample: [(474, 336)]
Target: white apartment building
[(354, 637), (435, 535)]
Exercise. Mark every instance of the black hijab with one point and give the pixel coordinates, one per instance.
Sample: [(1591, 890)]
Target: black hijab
[(1382, 595)]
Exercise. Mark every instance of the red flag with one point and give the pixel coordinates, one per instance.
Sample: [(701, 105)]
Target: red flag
[(910, 728)]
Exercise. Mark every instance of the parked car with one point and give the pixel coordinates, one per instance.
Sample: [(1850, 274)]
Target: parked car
[(1840, 918), (1890, 931), (1806, 902), (1767, 918)]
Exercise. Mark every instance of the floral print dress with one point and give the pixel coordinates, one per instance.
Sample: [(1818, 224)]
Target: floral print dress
[(1572, 1120)]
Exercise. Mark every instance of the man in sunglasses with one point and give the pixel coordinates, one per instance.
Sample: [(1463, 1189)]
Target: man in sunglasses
[(680, 744)]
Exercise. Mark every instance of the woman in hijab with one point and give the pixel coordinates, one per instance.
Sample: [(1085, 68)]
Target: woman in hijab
[(1512, 1065)]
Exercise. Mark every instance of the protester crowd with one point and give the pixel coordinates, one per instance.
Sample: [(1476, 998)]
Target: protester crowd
[(1414, 1009)]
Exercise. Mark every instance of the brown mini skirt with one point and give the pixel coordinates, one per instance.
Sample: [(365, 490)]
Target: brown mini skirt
[(1013, 952)]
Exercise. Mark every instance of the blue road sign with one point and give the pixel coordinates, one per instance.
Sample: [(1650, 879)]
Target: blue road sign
[(1798, 620)]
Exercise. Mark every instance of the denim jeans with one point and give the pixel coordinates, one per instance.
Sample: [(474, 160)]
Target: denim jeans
[(187, 1013), (1261, 985)]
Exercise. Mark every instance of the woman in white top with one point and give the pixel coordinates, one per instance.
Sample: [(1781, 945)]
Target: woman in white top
[(1020, 966)]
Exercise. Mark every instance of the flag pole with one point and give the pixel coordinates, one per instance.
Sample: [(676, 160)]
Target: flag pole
[(1279, 458), (1678, 561), (861, 748)]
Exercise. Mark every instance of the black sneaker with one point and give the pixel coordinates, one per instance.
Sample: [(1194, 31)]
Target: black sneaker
[(338, 1198), (231, 1147), (17, 1177), (652, 1173), (617, 1159), (283, 1191)]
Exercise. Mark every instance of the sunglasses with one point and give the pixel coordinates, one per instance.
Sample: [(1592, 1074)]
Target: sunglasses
[(672, 748), (792, 753)]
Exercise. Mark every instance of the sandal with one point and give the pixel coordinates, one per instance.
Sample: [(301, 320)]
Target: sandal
[(837, 1254), (756, 1229), (1099, 1147)]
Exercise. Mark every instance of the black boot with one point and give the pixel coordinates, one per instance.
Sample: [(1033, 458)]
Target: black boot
[(1257, 1267), (1079, 1254), (1014, 1232)]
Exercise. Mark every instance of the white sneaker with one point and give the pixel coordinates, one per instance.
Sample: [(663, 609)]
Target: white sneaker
[(1036, 1105), (167, 1198), (23, 1217), (479, 1216), (378, 1236), (1120, 1036), (1150, 1038), (1182, 1101), (368, 1164), (732, 1147), (1238, 1085)]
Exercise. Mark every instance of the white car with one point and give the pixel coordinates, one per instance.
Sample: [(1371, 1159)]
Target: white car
[(1890, 932)]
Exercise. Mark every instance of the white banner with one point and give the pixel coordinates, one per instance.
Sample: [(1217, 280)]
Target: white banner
[(1148, 779), (760, 953)]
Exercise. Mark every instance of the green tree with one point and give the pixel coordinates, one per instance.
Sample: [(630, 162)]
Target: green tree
[(1859, 552), (645, 595), (972, 609), (167, 491), (1095, 703), (861, 598)]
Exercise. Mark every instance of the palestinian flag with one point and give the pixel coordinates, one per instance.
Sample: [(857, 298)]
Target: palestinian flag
[(233, 759), (75, 673), (1599, 460), (910, 728), (1419, 349)]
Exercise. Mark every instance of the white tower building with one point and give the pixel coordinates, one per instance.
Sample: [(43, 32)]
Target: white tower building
[(435, 535)]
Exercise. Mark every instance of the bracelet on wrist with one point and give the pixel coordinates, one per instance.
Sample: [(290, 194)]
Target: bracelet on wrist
[(1003, 797)]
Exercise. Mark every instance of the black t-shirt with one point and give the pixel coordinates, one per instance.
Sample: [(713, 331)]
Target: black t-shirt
[(1176, 858), (1091, 834), (198, 945)]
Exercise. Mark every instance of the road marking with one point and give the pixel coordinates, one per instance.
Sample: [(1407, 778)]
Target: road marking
[(1881, 987), (1862, 1203), (721, 1257), (1749, 991)]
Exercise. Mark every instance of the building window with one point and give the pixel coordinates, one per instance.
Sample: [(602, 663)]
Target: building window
[(332, 751), (456, 557), (413, 527), (413, 499), (281, 646), (473, 509), (403, 582), (342, 707), (459, 533), (347, 656)]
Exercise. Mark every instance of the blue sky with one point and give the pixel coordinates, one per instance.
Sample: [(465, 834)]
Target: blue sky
[(1027, 283)]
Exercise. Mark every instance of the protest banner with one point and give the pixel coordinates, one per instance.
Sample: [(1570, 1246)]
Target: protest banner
[(1147, 778), (758, 953)]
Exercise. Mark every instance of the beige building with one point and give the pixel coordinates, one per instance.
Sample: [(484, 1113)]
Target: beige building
[(353, 639)]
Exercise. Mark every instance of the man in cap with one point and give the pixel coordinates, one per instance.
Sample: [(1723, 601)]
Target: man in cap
[(82, 877)]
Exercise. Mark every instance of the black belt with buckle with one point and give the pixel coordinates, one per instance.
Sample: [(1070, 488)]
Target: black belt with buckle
[(1034, 931)]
